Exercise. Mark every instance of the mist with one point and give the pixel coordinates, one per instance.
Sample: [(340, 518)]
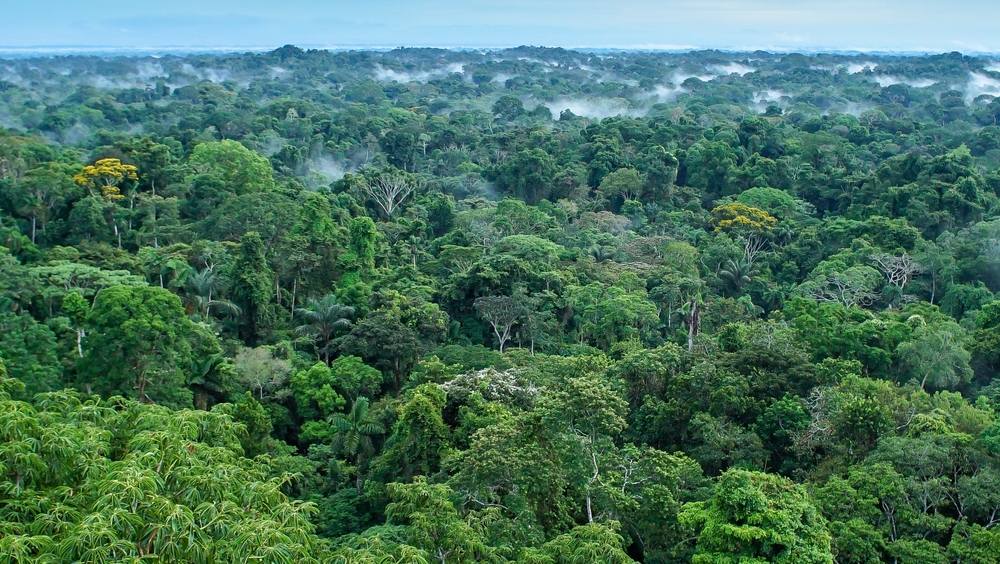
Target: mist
[(383, 74), (594, 108)]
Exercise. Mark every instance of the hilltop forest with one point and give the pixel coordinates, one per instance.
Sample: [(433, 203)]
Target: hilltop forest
[(530, 305)]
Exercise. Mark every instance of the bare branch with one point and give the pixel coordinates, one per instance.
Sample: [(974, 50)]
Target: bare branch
[(389, 191)]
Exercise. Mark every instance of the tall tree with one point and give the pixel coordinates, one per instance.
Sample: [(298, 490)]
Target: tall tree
[(755, 518), (251, 285), (138, 344), (322, 319)]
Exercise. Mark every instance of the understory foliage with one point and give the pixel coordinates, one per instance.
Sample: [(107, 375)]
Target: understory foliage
[(406, 307)]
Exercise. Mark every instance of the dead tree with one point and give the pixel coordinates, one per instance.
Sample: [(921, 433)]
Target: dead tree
[(502, 313), (389, 191)]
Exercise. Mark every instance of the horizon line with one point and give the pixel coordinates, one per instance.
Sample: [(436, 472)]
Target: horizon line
[(94, 50)]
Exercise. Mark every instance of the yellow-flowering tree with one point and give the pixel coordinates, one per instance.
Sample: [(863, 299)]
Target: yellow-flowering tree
[(742, 218), (749, 224), (106, 174)]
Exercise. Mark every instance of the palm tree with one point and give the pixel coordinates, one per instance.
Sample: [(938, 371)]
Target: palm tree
[(738, 273), (354, 431), (321, 319), (202, 288)]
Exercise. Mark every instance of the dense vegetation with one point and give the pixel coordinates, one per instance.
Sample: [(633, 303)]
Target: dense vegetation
[(534, 306)]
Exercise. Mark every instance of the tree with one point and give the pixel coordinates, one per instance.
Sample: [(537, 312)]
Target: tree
[(203, 290), (624, 182), (898, 270), (138, 344), (239, 169), (355, 378), (157, 484), (852, 287), (29, 350), (756, 518), (419, 437), (43, 191), (711, 166), (529, 174), (435, 524), (107, 175), (748, 223), (322, 319), (389, 190), (251, 284), (354, 432), (502, 313), (593, 542), (316, 396), (594, 415), (936, 355), (508, 108)]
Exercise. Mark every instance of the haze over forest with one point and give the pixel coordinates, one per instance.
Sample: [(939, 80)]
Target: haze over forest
[(527, 305), (777, 25)]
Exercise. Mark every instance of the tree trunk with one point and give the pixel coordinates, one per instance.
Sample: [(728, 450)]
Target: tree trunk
[(201, 400), (694, 319), (80, 334)]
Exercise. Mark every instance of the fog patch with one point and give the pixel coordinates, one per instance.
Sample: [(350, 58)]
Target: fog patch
[(147, 71), (667, 93), (271, 145), (853, 108), (678, 78), (537, 61), (604, 78), (105, 83), (209, 74), (383, 74), (325, 165), (75, 135), (731, 68), (11, 75), (320, 171), (884, 81), (978, 85), (855, 68), (771, 97), (594, 109)]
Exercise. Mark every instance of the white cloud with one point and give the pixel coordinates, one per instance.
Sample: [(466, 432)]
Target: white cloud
[(383, 74), (594, 109), (884, 81), (731, 68), (979, 84)]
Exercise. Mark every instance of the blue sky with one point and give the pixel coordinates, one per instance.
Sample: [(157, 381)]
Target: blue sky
[(891, 25)]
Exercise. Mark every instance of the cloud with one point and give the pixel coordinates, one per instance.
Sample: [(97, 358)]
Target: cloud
[(383, 74), (210, 74), (594, 109), (666, 93), (855, 68), (884, 81), (979, 84), (732, 68)]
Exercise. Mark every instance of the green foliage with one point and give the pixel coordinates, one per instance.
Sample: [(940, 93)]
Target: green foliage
[(755, 517), (88, 480), (467, 331), (238, 169), (138, 345)]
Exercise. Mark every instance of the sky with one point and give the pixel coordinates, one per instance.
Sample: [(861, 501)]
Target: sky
[(777, 25)]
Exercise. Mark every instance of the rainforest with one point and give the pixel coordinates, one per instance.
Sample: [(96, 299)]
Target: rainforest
[(528, 305)]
